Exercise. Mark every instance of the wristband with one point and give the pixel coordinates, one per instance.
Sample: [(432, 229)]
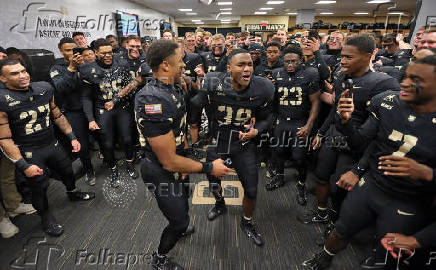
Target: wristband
[(22, 164), (116, 99), (71, 136), (207, 167)]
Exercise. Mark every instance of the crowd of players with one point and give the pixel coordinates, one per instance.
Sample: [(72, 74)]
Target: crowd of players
[(357, 110)]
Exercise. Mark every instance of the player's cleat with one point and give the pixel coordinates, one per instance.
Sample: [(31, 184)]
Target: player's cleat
[(90, 177), (275, 183), (164, 263), (218, 209), (314, 216), (190, 230), (51, 227), (131, 170), (77, 195), (322, 260), (301, 194), (7, 228), (249, 228), (320, 241), (115, 179), (23, 208)]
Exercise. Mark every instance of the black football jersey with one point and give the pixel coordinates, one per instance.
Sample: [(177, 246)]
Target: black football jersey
[(192, 60), (399, 131), (230, 110), (293, 90), (211, 64), (133, 64), (29, 114), (264, 70), (105, 82), (160, 108)]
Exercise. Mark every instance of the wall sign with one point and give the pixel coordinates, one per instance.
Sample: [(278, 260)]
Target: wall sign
[(264, 28)]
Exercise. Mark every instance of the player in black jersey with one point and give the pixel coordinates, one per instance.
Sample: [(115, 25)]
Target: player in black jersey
[(240, 106), (297, 104), (161, 119), (27, 138), (334, 157), (273, 61), (399, 188), (67, 84), (215, 60), (102, 81)]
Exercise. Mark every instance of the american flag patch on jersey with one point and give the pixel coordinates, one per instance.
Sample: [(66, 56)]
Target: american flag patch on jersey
[(153, 109)]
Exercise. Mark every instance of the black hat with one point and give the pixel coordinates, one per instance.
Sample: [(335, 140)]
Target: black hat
[(255, 47)]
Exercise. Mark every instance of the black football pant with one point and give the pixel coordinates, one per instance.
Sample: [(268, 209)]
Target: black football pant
[(285, 144), (53, 157), (367, 203), (172, 199), (116, 121), (80, 127), (244, 162)]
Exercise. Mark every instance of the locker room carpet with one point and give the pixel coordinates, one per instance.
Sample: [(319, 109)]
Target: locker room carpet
[(91, 227)]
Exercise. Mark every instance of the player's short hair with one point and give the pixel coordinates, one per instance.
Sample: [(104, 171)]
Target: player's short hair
[(273, 44), (364, 44), (430, 30), (133, 37), (207, 33), (65, 40), (159, 51), (100, 43), (111, 36), (218, 37), (388, 38), (235, 52), (189, 34), (293, 49), (77, 33), (230, 34), (428, 60), (338, 32), (7, 62)]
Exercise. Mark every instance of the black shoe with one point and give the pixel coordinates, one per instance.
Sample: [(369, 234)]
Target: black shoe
[(218, 209), (320, 261), (51, 227), (270, 172), (301, 194), (370, 263), (90, 177), (115, 179), (275, 183), (190, 230), (250, 229), (164, 263), (80, 196), (131, 170), (314, 216), (320, 241)]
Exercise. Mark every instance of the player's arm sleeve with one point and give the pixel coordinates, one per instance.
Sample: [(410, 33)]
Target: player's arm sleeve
[(153, 116), (358, 138), (64, 82), (264, 114), (427, 236), (87, 101), (323, 68), (389, 84), (362, 166)]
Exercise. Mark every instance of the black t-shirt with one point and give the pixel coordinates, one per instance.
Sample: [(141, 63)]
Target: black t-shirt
[(212, 64), (293, 91), (29, 114)]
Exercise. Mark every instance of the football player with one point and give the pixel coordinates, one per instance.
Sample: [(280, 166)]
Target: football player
[(240, 106), (102, 81), (398, 189), (297, 101), (67, 84), (161, 120), (27, 138)]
